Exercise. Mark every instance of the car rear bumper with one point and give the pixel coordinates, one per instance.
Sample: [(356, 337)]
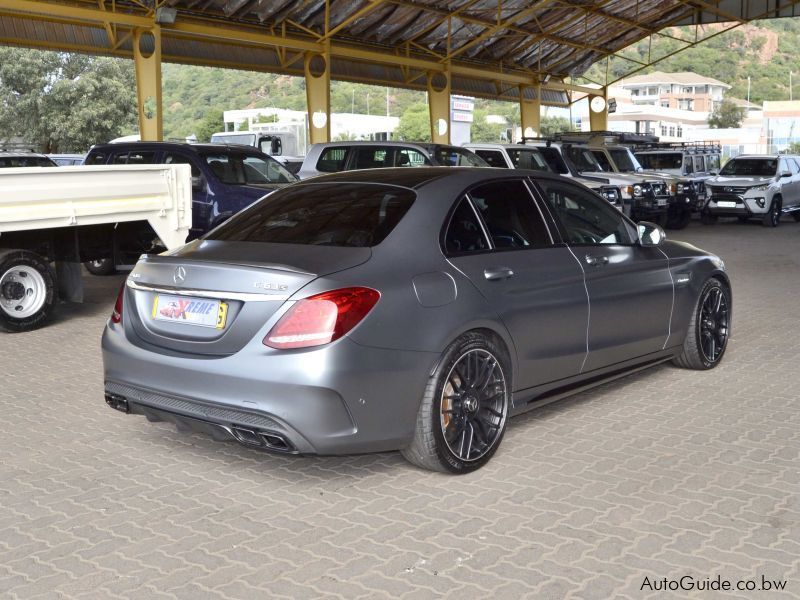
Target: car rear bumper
[(339, 399)]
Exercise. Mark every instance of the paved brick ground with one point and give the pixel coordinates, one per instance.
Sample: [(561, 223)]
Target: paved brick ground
[(662, 474)]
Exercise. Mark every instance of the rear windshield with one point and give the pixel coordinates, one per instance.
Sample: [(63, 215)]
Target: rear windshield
[(25, 161), (341, 214), (660, 161), (750, 166)]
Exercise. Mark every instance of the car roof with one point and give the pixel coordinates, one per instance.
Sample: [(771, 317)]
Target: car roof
[(22, 154), (489, 146), (426, 145), (756, 156), (208, 147), (417, 177)]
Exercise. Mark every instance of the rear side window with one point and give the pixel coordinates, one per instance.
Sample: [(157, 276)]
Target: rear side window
[(660, 160), (97, 158), (408, 157), (178, 159), (343, 214), (332, 160), (451, 156), (510, 214), (493, 157), (464, 232), (134, 158), (528, 159)]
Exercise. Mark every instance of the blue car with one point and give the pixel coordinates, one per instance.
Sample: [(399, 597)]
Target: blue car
[(225, 178)]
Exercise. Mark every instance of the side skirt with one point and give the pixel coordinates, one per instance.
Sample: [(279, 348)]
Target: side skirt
[(530, 398)]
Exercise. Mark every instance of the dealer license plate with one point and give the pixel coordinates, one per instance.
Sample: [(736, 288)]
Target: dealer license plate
[(190, 311), (726, 204)]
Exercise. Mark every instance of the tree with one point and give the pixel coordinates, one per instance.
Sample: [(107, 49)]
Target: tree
[(550, 125), (415, 124), (65, 102), (482, 130), (212, 122), (726, 115), (794, 148)]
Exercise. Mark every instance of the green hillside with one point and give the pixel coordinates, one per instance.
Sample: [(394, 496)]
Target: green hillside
[(765, 52)]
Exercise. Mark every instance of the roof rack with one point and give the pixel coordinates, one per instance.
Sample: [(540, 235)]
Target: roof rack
[(620, 137), (696, 147)]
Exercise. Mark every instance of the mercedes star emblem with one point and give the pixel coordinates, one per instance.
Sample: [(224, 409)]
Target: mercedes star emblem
[(180, 275)]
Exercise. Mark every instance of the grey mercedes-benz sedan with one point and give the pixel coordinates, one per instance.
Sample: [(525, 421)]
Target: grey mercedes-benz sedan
[(406, 309)]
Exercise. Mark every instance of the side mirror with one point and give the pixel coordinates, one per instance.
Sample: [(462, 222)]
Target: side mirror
[(785, 174), (198, 182), (650, 234), (713, 173)]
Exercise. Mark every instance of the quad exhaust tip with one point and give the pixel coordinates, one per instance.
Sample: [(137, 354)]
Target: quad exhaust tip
[(262, 439), (117, 402)]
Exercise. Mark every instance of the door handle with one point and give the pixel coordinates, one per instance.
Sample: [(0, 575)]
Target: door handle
[(497, 273), (596, 261)]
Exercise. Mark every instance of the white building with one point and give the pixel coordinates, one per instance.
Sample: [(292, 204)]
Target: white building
[(343, 125)]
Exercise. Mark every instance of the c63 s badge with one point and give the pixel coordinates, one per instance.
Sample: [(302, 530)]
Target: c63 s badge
[(273, 287)]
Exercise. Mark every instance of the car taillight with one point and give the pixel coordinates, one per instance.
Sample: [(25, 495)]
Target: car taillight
[(321, 319), (116, 314)]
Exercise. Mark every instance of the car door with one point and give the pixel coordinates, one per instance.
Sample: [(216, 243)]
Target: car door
[(630, 286), (794, 167), (498, 238), (201, 206)]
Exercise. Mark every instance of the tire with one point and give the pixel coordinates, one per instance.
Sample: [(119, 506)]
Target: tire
[(707, 218), (27, 291), (773, 217), (102, 267), (680, 220), (708, 334), (440, 438), (796, 216)]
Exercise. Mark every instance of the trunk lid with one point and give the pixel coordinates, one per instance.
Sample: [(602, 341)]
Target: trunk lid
[(172, 299)]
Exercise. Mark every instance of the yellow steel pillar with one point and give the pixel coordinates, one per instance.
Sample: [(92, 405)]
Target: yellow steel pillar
[(318, 96), (598, 111), (530, 112), (147, 61), (439, 106)]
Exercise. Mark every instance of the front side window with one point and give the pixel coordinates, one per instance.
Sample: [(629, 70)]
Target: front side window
[(494, 158), (699, 164), (331, 160), (97, 158), (512, 219), (688, 165), (371, 157), (452, 156), (585, 218), (464, 232), (554, 160), (583, 159), (528, 159), (341, 214)]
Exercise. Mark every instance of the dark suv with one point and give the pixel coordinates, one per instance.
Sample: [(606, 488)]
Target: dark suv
[(12, 160), (225, 178)]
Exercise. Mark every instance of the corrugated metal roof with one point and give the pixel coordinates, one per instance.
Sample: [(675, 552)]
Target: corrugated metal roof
[(480, 38)]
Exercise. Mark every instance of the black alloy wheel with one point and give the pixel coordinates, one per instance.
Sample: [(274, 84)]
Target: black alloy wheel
[(473, 406), (713, 324)]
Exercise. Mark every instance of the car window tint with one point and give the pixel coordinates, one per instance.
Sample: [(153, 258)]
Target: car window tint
[(97, 158), (141, 158), (699, 165), (528, 159), (331, 160), (603, 160), (510, 214), (178, 159), (464, 233), (451, 156), (584, 217), (494, 158), (120, 158), (223, 168), (340, 214), (554, 160), (660, 160), (371, 157), (408, 157)]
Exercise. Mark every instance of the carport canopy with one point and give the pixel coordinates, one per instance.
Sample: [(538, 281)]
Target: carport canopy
[(527, 52)]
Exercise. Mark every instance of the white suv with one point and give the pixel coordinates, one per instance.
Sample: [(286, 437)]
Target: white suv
[(755, 186), (521, 156)]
